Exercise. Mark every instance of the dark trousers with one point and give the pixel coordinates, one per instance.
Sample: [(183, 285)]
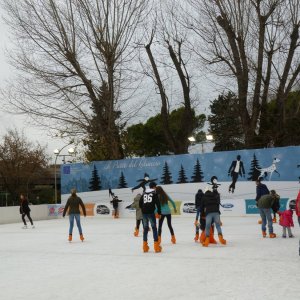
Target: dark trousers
[(138, 223), (234, 180), (28, 216), (160, 223)]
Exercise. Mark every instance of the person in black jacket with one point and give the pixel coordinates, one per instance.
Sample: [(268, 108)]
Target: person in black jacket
[(148, 203), (25, 211), (236, 168), (115, 202), (200, 224), (211, 208)]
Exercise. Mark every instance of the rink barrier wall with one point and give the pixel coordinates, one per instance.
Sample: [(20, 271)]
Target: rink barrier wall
[(234, 208), (11, 214)]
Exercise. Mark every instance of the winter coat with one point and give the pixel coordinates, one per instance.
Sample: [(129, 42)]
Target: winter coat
[(266, 201), (210, 203), (115, 202), (136, 205), (261, 189), (298, 205), (149, 202), (24, 207), (198, 198), (286, 218), (73, 204)]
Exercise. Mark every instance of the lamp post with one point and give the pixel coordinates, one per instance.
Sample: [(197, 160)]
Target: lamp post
[(57, 154), (208, 139)]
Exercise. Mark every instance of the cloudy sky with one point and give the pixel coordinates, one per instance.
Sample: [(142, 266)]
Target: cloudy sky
[(11, 121)]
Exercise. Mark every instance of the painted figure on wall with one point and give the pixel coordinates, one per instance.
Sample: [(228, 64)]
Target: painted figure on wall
[(236, 168)]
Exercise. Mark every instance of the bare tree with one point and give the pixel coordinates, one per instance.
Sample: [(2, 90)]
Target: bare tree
[(21, 162), (256, 43), (167, 34), (66, 51)]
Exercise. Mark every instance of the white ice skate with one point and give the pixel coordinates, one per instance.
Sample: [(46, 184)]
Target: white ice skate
[(32, 226), (24, 227)]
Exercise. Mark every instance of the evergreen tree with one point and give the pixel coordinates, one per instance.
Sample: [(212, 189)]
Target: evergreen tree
[(95, 182), (198, 174), (254, 173), (225, 123), (167, 177), (122, 182), (182, 178)]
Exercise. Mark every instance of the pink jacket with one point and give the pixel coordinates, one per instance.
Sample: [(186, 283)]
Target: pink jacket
[(298, 205), (286, 218)]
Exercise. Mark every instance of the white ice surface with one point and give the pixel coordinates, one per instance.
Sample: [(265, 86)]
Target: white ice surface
[(39, 264)]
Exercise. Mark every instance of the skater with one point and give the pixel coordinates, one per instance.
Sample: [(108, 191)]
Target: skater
[(286, 221), (115, 202), (264, 205), (73, 204), (164, 198), (236, 168), (261, 189), (276, 204), (143, 182), (138, 213), (198, 223), (148, 202), (210, 206), (25, 211), (298, 207)]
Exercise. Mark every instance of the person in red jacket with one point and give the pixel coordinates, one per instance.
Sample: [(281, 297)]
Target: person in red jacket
[(298, 207), (286, 221)]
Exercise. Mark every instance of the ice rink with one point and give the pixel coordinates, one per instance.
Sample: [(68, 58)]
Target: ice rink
[(40, 264)]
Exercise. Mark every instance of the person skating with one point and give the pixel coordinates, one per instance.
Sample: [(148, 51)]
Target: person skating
[(25, 211), (261, 189), (72, 206), (264, 205), (148, 203), (276, 205), (115, 202), (198, 219), (286, 221), (211, 208), (297, 208), (164, 198), (138, 213)]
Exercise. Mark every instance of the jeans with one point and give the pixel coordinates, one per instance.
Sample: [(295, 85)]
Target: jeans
[(71, 219), (213, 217), (146, 219), (266, 216)]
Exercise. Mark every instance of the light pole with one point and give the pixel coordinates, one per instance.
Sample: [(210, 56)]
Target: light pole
[(57, 154)]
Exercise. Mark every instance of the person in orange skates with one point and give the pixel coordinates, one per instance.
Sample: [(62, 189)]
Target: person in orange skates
[(211, 208), (148, 203), (72, 206)]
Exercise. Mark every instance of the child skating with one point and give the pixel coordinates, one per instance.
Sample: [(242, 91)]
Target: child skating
[(286, 221)]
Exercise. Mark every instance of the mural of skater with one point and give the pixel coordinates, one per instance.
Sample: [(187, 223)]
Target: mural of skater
[(236, 168), (143, 182)]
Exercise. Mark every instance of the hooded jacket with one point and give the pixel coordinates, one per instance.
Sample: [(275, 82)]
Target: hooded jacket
[(286, 218)]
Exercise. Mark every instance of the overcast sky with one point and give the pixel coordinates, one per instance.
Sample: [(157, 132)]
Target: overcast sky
[(11, 121), (206, 91)]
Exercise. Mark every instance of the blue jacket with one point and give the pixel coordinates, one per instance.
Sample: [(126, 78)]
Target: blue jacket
[(165, 209), (261, 190)]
